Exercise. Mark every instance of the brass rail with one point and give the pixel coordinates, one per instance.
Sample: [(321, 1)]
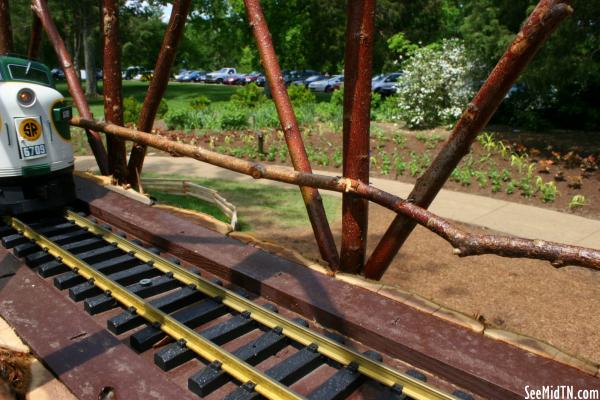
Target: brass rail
[(238, 369), (206, 349)]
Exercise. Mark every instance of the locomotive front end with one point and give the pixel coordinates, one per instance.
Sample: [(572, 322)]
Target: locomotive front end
[(36, 157)]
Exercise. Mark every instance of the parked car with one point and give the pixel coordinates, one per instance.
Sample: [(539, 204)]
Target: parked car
[(197, 76), (327, 85), (131, 72), (386, 86), (220, 75), (309, 80), (192, 76), (181, 74), (184, 76), (377, 78), (295, 76), (251, 77), (234, 79), (261, 81), (336, 85), (144, 75), (58, 74)]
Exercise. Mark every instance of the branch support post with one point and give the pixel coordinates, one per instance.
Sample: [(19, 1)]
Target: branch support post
[(40, 7), (293, 137), (360, 35), (158, 85), (113, 97)]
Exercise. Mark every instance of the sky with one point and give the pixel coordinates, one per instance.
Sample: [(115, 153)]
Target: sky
[(167, 12)]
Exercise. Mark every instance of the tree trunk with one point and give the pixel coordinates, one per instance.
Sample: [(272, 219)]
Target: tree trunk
[(6, 39), (91, 89), (76, 36)]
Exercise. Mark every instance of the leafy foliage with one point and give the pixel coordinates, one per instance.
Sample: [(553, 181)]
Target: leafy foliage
[(131, 110), (249, 96), (234, 118), (163, 109), (299, 94), (435, 86), (559, 88), (200, 103), (337, 98), (402, 49), (186, 120), (265, 116), (488, 38)]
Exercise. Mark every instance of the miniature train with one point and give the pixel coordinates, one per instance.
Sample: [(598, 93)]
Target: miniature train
[(36, 157)]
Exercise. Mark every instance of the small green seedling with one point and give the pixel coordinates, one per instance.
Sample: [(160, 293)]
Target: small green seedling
[(577, 201), (548, 190), (487, 141)]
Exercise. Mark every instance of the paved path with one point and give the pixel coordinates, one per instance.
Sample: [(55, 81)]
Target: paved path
[(512, 218)]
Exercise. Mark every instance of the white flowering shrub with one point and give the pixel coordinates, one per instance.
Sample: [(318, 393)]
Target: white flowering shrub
[(435, 87)]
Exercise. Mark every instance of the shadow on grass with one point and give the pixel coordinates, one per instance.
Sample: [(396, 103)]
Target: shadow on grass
[(261, 206)]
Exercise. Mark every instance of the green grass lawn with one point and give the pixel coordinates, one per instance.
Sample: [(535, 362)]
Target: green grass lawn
[(189, 203), (258, 205), (178, 95)]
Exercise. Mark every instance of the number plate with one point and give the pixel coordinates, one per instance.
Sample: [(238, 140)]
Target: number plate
[(31, 138), (34, 151)]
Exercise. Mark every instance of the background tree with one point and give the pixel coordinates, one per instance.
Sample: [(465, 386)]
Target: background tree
[(486, 36), (89, 32), (141, 32), (559, 89)]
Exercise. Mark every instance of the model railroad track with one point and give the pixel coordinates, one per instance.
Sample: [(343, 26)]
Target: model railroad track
[(162, 299)]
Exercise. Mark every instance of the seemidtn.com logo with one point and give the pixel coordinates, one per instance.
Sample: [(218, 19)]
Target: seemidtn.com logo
[(560, 392)]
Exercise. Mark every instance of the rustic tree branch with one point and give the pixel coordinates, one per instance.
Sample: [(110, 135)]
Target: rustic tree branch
[(158, 86), (360, 37), (464, 243), (40, 7), (293, 137), (113, 97), (542, 22)]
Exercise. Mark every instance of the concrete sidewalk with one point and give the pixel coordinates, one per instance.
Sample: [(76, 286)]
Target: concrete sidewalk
[(503, 216)]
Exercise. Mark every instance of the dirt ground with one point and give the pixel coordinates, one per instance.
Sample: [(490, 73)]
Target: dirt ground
[(559, 306)]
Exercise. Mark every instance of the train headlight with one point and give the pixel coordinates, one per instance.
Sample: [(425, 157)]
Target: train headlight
[(26, 97)]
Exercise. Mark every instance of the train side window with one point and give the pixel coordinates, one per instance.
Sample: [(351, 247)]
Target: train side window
[(28, 73)]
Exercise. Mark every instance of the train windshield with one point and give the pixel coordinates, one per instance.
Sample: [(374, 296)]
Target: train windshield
[(28, 73)]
